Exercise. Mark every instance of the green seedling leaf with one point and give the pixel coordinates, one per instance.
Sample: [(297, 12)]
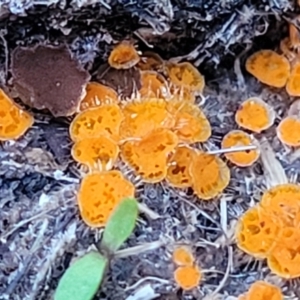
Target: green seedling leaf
[(82, 279), (120, 225)]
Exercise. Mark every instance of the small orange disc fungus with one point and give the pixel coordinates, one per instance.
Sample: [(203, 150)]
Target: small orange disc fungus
[(293, 83), (210, 175), (179, 164), (288, 131), (123, 56), (148, 157), (14, 121), (153, 85), (141, 117), (187, 277), (284, 260), (282, 202), (269, 67), (151, 61), (185, 75), (94, 122), (182, 256), (261, 290), (99, 194), (257, 232), (238, 138), (191, 124), (97, 153), (255, 114), (98, 94)]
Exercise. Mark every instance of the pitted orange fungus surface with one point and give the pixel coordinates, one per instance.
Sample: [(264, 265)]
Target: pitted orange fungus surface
[(14, 121), (148, 157), (103, 120), (99, 193), (210, 175)]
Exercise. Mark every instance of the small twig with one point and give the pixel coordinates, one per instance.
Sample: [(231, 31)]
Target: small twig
[(232, 149), (138, 249), (147, 211)]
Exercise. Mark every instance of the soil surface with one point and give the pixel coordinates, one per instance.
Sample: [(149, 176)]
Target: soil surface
[(41, 231)]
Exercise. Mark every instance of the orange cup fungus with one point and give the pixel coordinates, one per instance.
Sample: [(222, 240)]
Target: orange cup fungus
[(148, 156), (210, 175), (255, 114), (182, 256), (14, 121), (151, 61), (94, 122), (237, 138), (153, 85), (191, 124), (293, 83), (269, 68), (257, 232), (178, 174), (100, 193), (97, 153), (96, 95), (283, 202), (187, 277), (288, 131), (185, 75), (123, 56), (141, 117), (261, 290)]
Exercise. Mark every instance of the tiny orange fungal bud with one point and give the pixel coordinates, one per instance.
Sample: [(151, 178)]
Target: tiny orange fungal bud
[(141, 117), (148, 156), (151, 61), (236, 138), (99, 194), (96, 95), (97, 121), (97, 153), (191, 124), (187, 277), (261, 290), (185, 75), (257, 232), (210, 175), (288, 131), (178, 167), (153, 85), (269, 67), (182, 256), (14, 121), (123, 56), (255, 114)]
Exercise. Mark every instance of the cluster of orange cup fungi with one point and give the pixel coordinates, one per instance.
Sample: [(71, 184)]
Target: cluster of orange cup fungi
[(279, 70), (270, 230), (153, 133), (261, 290), (14, 121), (187, 275)]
